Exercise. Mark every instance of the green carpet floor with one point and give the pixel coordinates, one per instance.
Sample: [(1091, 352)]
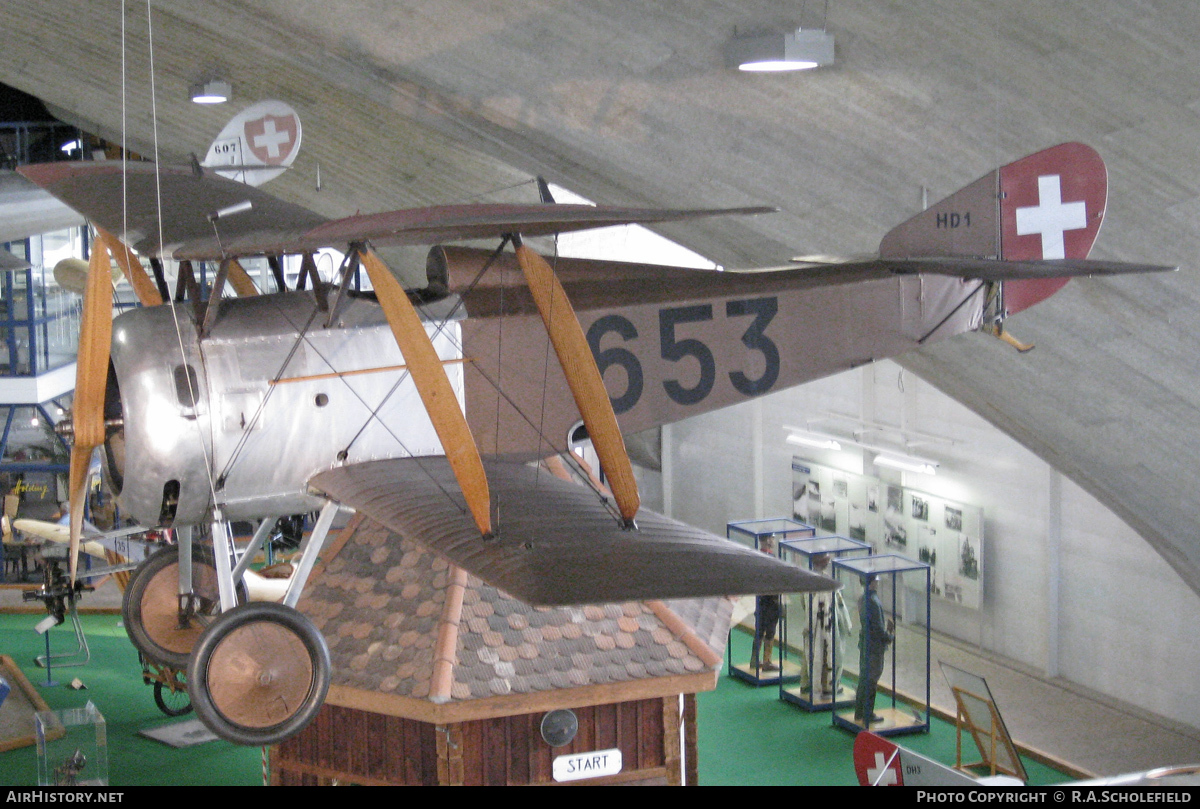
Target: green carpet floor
[(114, 684), (747, 735)]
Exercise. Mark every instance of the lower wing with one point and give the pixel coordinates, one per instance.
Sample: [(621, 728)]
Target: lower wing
[(556, 543)]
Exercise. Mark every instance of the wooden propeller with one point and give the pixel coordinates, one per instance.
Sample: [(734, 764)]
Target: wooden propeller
[(584, 379), (91, 378)]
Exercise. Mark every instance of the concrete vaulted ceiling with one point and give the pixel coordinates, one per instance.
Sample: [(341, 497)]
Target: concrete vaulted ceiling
[(411, 102)]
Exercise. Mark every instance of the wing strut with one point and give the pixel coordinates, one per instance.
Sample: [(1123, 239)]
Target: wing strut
[(91, 379), (434, 387), (583, 377), (240, 280), (147, 293)]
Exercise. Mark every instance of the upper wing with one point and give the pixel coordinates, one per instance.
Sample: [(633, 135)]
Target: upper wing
[(556, 544), (9, 262), (190, 198), (26, 210), (102, 190)]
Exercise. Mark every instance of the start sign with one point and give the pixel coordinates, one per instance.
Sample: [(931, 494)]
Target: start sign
[(587, 765)]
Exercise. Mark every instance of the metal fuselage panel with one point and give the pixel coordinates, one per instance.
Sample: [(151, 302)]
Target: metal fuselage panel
[(279, 397)]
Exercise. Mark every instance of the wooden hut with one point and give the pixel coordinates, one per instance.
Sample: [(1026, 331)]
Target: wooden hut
[(440, 679)]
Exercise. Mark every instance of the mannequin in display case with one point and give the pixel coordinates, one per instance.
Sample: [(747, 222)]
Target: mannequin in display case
[(877, 634), (827, 608), (766, 621)]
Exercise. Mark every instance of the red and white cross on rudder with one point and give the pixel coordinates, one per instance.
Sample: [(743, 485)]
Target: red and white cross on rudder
[(271, 139), (1051, 217), (886, 772)]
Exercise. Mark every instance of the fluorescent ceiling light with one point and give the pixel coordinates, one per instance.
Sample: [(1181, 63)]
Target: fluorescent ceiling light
[(213, 92), (775, 51), (907, 463), (818, 441)]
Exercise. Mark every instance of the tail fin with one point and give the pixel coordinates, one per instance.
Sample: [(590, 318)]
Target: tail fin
[(1048, 205), (879, 762), (258, 144)]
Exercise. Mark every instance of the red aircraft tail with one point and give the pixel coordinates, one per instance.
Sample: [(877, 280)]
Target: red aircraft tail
[(1046, 206)]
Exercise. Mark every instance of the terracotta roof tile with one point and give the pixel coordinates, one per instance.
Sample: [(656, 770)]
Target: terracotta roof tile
[(380, 603)]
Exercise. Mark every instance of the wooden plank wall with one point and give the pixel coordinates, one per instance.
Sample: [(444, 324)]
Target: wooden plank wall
[(510, 750), (345, 745), (355, 746)]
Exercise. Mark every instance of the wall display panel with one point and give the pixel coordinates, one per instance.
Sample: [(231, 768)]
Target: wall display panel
[(945, 534)]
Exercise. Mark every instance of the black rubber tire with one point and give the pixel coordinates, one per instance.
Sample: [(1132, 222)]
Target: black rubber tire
[(172, 703), (250, 661), (149, 607)]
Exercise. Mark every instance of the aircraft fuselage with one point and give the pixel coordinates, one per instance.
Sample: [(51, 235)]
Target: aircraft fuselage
[(270, 396)]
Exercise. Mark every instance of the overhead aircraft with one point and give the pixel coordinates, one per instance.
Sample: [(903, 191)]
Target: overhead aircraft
[(421, 409)]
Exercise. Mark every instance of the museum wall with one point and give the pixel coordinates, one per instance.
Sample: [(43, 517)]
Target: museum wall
[(1120, 621)]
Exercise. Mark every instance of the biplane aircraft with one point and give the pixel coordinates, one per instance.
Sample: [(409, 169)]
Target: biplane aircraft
[(422, 409)]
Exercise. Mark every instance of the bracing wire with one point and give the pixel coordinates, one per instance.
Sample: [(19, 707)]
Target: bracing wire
[(208, 461)]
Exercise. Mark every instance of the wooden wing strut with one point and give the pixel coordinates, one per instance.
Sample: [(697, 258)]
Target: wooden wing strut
[(583, 377), (145, 289), (240, 280), (434, 388)]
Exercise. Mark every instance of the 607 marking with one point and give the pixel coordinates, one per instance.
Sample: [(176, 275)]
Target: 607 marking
[(674, 350)]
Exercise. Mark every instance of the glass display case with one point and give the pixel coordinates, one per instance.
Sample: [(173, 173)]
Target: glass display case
[(72, 747), (761, 616), (809, 678), (887, 651)]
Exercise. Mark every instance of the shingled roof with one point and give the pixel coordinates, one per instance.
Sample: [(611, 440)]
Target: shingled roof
[(411, 635)]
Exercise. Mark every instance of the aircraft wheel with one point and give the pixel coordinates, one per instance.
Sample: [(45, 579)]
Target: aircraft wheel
[(150, 605), (259, 674), (172, 702)]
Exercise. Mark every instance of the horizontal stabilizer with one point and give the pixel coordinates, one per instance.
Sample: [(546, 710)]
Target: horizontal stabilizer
[(556, 544), (982, 269), (986, 269), (269, 226)]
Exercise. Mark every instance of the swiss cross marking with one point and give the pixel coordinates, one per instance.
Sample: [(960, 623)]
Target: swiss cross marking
[(1051, 217), (883, 769), (271, 139)]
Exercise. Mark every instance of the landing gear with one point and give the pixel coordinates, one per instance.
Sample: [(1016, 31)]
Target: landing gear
[(256, 672), (163, 625), (172, 701), (259, 674), (170, 690)]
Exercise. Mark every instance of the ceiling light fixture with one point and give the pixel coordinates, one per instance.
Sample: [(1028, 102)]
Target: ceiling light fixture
[(817, 441), (212, 92), (907, 463), (801, 49)]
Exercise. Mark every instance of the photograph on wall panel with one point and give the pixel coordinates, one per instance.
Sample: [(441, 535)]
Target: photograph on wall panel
[(945, 534)]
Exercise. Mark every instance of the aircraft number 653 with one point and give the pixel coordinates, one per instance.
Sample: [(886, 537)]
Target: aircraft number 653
[(763, 310)]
